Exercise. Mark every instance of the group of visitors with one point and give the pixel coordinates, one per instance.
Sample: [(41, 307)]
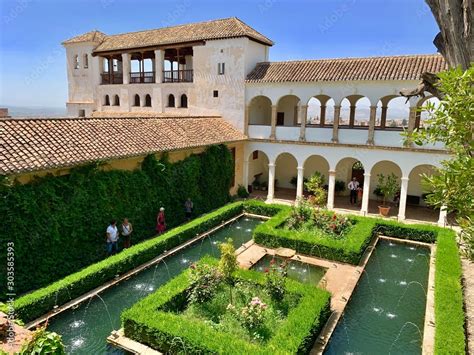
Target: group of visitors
[(112, 235), (126, 229)]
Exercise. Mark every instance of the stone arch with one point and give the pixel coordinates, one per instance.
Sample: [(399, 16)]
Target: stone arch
[(258, 169), (260, 111), (317, 110), (316, 163), (393, 111), (106, 100), (416, 186), (385, 167), (285, 170), (116, 100), (427, 105), (287, 110)]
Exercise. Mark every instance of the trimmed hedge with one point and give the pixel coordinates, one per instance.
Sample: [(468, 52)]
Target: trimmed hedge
[(348, 249), (58, 223), (147, 322), (39, 302), (449, 313)]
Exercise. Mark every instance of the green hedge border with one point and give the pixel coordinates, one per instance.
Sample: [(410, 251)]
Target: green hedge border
[(295, 335), (449, 310), (41, 301)]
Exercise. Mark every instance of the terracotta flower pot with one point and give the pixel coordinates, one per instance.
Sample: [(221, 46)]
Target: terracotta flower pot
[(384, 210)]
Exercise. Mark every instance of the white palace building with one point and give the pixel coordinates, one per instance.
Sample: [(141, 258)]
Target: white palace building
[(340, 117)]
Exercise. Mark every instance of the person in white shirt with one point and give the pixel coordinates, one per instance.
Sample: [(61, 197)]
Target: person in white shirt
[(353, 187), (112, 238)]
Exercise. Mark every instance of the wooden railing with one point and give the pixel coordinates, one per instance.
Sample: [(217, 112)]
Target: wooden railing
[(178, 76), (147, 77), (111, 78)]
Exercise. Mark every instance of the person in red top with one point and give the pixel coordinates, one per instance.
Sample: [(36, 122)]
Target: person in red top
[(160, 221)]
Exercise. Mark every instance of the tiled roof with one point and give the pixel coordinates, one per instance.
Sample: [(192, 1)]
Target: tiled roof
[(92, 36), (38, 144), (216, 29), (409, 67)]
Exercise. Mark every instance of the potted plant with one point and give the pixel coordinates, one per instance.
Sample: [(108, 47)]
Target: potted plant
[(388, 186), (264, 186), (256, 184)]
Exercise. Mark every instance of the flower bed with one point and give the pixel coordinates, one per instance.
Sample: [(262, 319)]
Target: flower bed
[(255, 322)]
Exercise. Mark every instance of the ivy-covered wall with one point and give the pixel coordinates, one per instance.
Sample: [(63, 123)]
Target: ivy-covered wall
[(58, 223)]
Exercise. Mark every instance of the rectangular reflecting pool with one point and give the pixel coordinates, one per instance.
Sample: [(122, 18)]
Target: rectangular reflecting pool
[(297, 270), (84, 329), (386, 312)]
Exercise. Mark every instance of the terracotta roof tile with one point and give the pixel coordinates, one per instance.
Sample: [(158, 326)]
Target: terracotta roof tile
[(92, 36), (38, 144), (208, 30), (409, 67)]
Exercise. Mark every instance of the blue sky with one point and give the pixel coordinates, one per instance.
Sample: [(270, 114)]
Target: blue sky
[(32, 61)]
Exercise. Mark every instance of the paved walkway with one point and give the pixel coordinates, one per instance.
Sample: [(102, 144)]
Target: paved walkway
[(468, 279)]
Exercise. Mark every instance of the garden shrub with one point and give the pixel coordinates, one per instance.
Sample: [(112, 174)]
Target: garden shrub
[(57, 223), (39, 302), (146, 323)]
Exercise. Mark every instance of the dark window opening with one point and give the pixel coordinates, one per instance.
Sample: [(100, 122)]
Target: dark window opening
[(184, 101), (107, 100), (171, 102), (280, 119), (215, 93), (147, 100), (117, 100), (137, 101)]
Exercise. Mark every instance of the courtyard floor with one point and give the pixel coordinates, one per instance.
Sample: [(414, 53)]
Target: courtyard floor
[(342, 204)]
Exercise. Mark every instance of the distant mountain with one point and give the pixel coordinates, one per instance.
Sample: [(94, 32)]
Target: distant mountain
[(35, 111)]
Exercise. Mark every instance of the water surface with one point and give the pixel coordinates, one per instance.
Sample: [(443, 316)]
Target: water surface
[(386, 312), (85, 329)]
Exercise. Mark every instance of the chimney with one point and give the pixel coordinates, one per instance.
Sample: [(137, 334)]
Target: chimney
[(4, 112)]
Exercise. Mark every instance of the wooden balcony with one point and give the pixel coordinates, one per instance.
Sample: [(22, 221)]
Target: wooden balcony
[(111, 78), (178, 76), (147, 77)]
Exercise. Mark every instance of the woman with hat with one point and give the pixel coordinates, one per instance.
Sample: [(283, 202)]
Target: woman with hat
[(160, 221)]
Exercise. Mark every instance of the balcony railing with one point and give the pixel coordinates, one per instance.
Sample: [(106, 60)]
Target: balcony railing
[(147, 77), (111, 78), (178, 76)]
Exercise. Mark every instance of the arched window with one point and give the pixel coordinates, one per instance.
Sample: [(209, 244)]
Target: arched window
[(147, 100), (107, 100), (171, 101), (136, 101), (184, 101), (117, 100), (86, 61)]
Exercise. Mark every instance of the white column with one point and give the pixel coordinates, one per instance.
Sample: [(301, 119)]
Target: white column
[(364, 209), (271, 182), (302, 113), (159, 59), (299, 183), (331, 188), (273, 122), (245, 172), (403, 199), (442, 216), (126, 67)]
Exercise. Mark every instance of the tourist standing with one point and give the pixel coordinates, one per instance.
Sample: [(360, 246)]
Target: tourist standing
[(127, 230), (188, 208), (112, 238), (161, 221), (353, 187)]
